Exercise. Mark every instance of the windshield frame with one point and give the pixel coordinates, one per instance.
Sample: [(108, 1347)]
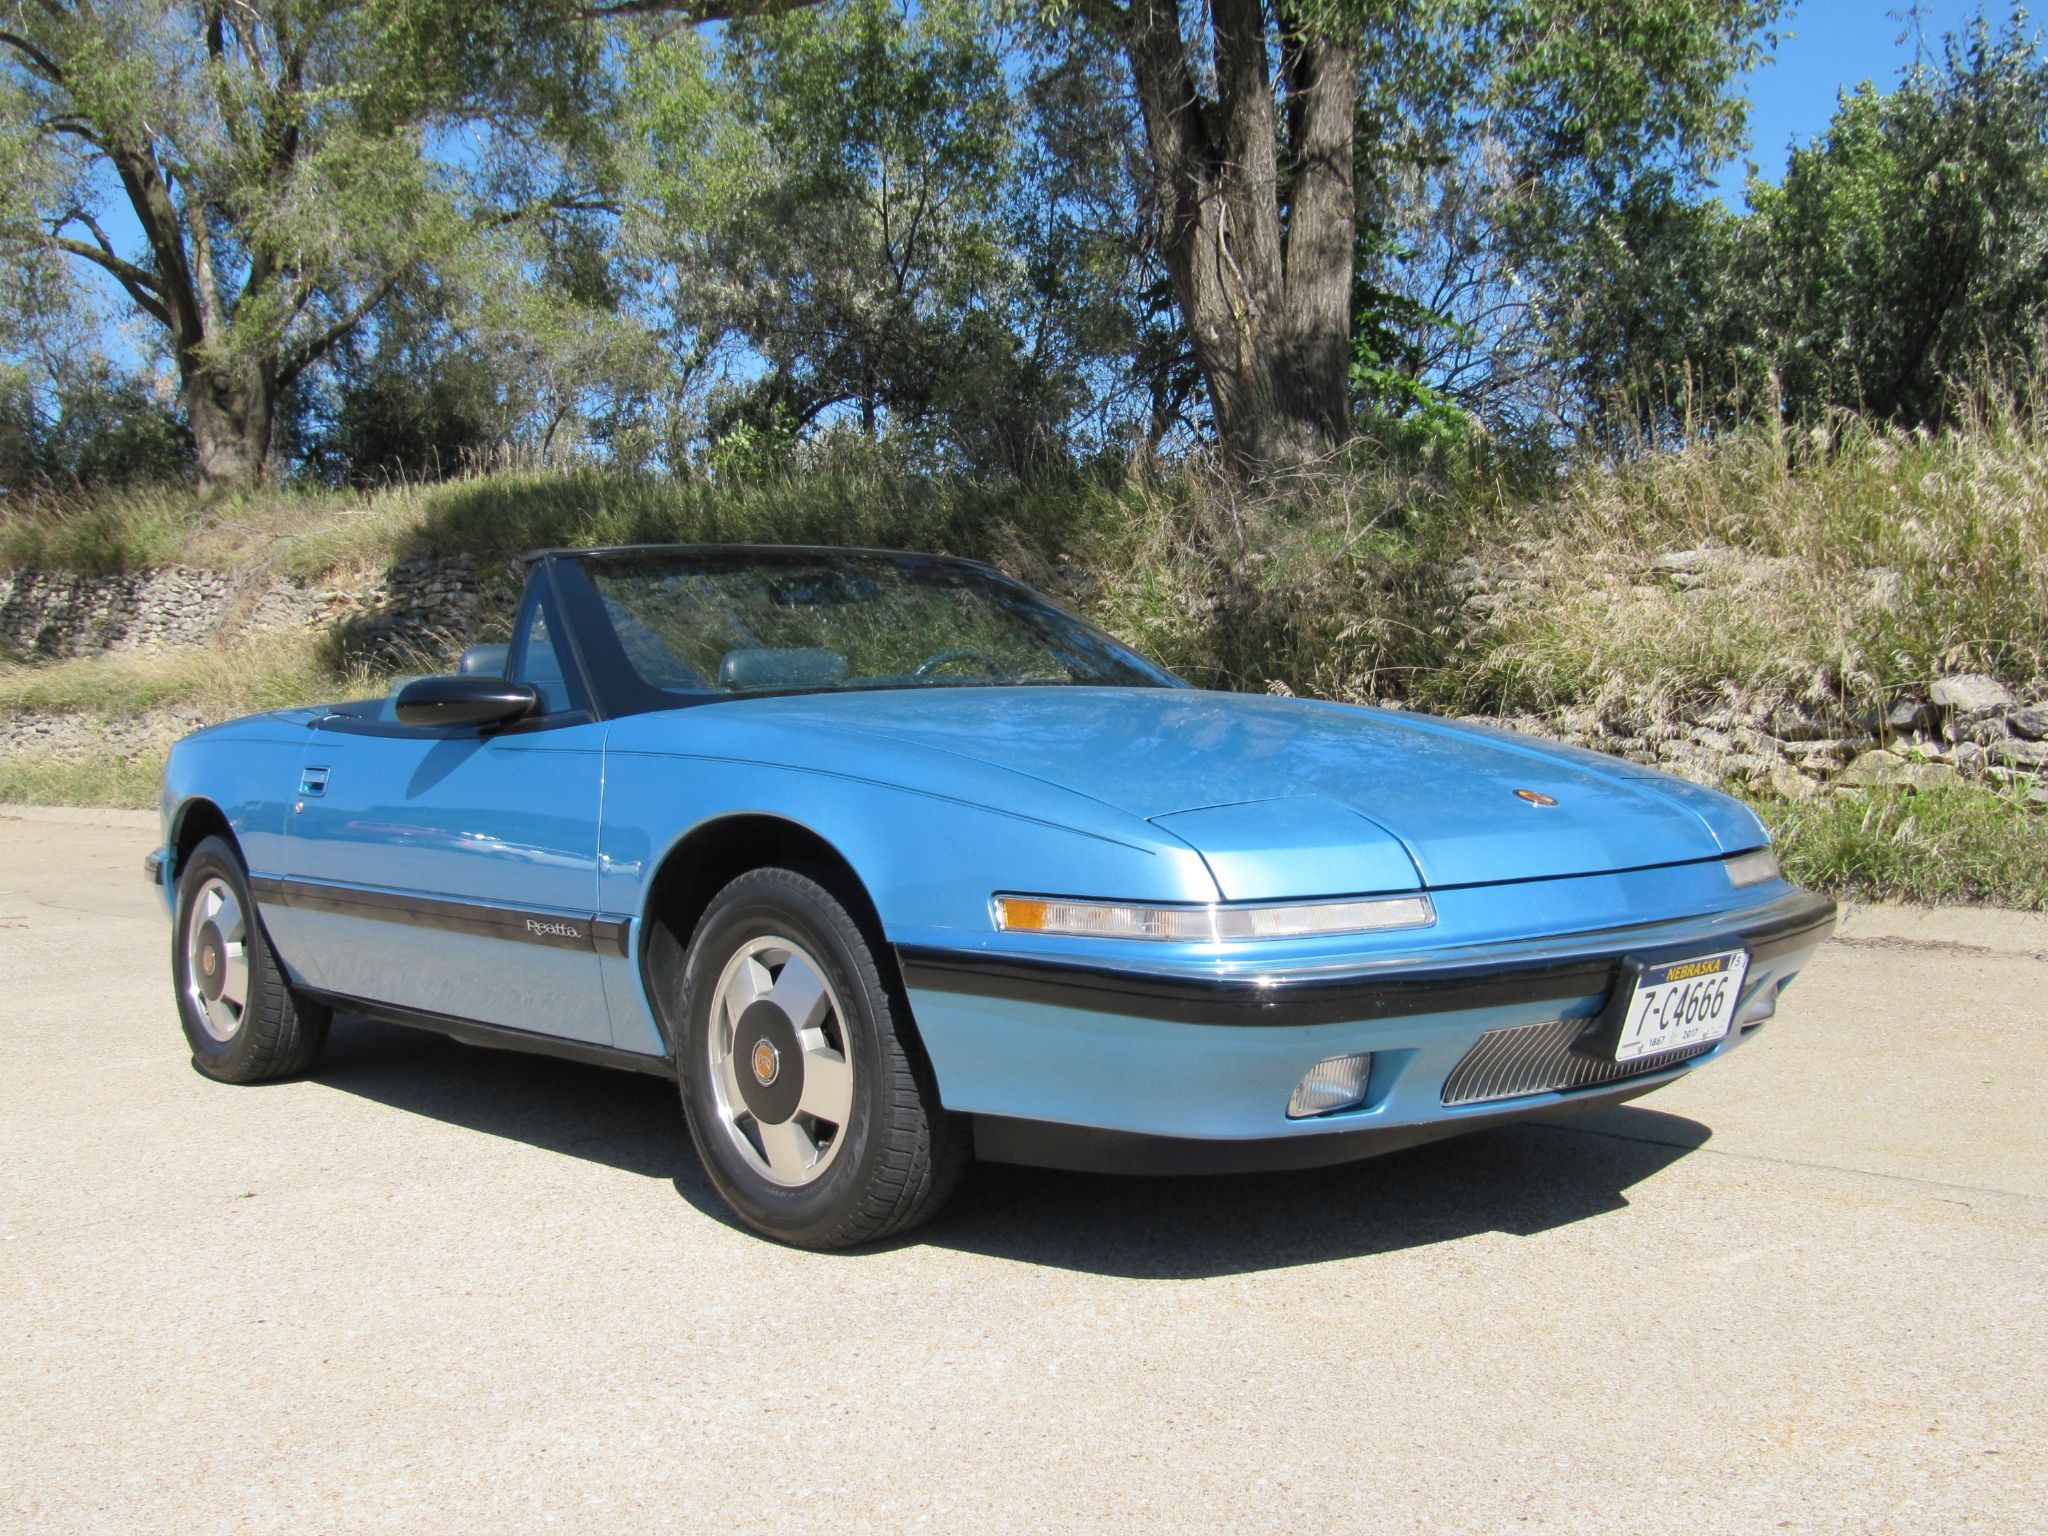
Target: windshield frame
[(616, 688)]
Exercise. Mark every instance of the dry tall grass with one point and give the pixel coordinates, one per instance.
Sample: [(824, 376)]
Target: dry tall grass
[(1832, 570)]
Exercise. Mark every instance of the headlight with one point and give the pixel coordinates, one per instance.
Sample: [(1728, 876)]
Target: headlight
[(1752, 868), (1209, 924)]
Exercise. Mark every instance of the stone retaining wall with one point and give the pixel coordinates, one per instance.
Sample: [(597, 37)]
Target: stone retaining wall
[(416, 611), (57, 614), (1967, 729)]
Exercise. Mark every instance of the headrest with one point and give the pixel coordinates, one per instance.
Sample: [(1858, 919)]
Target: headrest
[(483, 661), (781, 667)]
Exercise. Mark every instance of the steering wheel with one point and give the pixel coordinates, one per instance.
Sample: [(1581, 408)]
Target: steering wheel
[(939, 659)]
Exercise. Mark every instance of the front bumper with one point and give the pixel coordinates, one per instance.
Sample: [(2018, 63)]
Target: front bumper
[(1150, 1070)]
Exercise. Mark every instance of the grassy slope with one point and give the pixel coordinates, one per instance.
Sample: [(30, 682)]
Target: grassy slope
[(1949, 845), (1839, 575)]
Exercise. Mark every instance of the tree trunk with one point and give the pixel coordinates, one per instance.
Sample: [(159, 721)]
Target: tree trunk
[(231, 426), (1256, 225)]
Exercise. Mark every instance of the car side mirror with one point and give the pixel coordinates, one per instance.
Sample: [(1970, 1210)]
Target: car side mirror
[(464, 700)]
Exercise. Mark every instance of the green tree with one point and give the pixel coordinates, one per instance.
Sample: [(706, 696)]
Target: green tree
[(1505, 150), (1655, 319), (848, 195), (1277, 131), (278, 159), (1904, 254), (1907, 249), (70, 415)]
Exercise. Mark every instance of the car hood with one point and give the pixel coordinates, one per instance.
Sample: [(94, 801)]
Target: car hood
[(1261, 785)]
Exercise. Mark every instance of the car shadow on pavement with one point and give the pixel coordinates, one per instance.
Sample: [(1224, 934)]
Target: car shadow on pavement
[(1520, 1180), (623, 1120)]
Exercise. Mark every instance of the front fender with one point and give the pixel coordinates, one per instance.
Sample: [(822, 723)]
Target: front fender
[(929, 863), (245, 768)]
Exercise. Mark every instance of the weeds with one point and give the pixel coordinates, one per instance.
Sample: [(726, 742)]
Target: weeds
[(276, 672), (1947, 845), (1856, 565), (1846, 566), (103, 779)]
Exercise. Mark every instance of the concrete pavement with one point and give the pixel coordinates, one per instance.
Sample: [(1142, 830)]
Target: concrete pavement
[(436, 1288)]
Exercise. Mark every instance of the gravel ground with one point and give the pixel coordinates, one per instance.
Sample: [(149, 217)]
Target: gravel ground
[(436, 1288)]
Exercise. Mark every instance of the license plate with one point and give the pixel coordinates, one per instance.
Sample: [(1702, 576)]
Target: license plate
[(1682, 1003)]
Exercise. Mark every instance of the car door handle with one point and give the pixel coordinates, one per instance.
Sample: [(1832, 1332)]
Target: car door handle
[(312, 781)]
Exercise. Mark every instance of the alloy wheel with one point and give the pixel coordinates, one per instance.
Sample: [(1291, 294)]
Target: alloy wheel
[(217, 959), (781, 1073)]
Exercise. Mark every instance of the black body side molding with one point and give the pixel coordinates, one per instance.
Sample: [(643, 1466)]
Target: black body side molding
[(609, 936)]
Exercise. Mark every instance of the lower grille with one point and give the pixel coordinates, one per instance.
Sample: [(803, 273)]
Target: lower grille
[(1537, 1058)]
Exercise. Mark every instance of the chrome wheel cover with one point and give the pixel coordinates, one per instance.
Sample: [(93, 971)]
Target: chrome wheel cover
[(217, 959), (781, 1078)]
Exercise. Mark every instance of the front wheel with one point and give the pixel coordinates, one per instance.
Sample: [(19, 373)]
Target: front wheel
[(241, 1018), (809, 1104)]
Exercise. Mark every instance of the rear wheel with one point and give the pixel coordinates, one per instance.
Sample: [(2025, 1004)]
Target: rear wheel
[(806, 1097), (240, 1017)]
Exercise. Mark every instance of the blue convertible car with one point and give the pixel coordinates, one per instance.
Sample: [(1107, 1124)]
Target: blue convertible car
[(890, 863)]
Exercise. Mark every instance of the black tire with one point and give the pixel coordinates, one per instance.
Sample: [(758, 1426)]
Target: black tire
[(902, 1154), (277, 1034)]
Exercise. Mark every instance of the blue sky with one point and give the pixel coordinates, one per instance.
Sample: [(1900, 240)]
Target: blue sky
[(1828, 46)]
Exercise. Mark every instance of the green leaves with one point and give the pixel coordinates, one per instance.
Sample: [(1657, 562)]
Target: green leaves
[(1908, 248), (1507, 152), (1900, 266), (836, 192), (289, 164)]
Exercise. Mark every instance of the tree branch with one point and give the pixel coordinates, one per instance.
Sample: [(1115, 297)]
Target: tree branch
[(106, 255), (1106, 14), (314, 348), (563, 204), (1169, 103), (80, 216), (43, 63), (76, 128), (140, 285)]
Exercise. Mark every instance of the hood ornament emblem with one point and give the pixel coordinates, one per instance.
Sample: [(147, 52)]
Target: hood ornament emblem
[(1534, 797)]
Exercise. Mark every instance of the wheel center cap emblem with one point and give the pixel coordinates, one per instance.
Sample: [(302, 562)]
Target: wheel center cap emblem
[(206, 961), (767, 1063)]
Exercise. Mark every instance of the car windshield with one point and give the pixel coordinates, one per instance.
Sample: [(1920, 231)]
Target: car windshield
[(702, 622)]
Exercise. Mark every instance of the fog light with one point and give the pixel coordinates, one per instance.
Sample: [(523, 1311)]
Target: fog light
[(1338, 1083)]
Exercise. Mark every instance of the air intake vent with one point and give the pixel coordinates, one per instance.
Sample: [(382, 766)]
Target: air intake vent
[(1537, 1058)]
